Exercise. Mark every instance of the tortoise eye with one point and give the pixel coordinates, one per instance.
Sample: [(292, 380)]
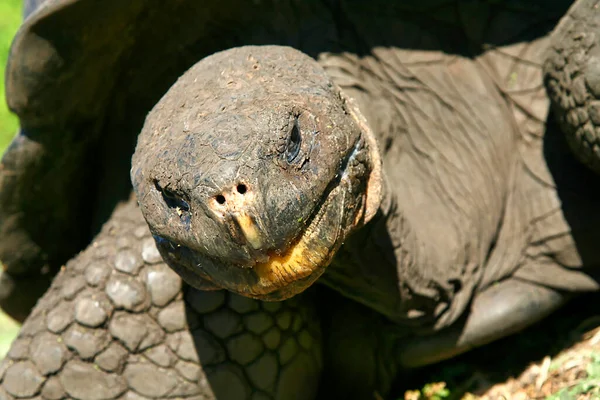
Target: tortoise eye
[(294, 142), (172, 199)]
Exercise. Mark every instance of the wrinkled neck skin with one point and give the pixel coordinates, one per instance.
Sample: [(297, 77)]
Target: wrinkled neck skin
[(387, 265), (366, 267), (421, 259), (371, 266)]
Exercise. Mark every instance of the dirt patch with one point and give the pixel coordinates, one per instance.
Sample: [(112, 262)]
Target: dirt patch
[(573, 373)]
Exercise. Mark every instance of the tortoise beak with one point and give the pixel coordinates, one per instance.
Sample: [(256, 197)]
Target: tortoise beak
[(245, 228), (250, 230)]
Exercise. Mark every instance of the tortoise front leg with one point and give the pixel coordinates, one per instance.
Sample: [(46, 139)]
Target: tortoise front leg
[(117, 324), (500, 310)]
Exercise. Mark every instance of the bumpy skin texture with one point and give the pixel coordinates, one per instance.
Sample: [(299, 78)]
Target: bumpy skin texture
[(117, 324), (483, 201), (572, 75)]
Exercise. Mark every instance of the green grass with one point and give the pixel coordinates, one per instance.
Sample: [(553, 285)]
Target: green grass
[(10, 10), (8, 331), (590, 385)]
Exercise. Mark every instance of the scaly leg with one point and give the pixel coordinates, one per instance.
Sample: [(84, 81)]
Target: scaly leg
[(117, 323)]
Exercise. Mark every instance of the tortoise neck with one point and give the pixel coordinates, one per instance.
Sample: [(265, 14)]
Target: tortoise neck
[(369, 266)]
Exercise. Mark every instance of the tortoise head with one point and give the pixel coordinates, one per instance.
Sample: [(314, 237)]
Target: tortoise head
[(252, 170)]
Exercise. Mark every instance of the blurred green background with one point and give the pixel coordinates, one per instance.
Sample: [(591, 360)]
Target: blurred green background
[(10, 18)]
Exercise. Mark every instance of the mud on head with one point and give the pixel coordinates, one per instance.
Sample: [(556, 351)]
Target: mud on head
[(252, 170)]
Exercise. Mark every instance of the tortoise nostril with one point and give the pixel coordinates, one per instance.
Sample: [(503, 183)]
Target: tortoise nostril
[(220, 199), (241, 188)]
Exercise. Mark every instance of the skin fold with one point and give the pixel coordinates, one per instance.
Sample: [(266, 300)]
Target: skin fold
[(343, 189)]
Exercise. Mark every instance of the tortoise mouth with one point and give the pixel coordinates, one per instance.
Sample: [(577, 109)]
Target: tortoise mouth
[(279, 274)]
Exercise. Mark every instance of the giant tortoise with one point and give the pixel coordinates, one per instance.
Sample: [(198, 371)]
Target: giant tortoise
[(347, 189)]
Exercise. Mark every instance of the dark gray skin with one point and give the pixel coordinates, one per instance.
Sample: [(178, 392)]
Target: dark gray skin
[(479, 222)]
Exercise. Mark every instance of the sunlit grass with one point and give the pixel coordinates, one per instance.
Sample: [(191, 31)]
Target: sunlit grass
[(10, 10), (8, 331)]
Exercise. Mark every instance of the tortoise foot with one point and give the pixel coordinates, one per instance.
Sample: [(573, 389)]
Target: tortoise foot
[(501, 310)]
